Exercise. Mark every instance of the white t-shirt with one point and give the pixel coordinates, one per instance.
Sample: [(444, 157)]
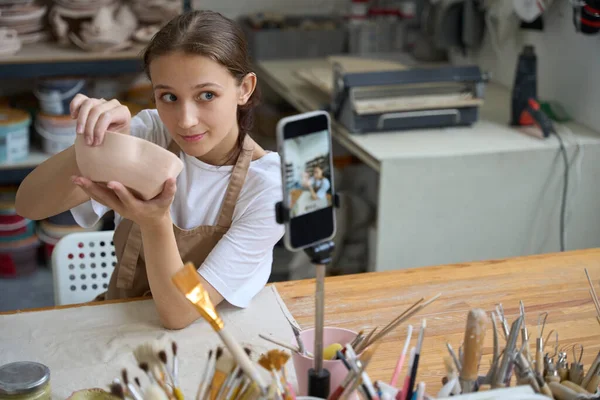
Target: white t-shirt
[(240, 264)]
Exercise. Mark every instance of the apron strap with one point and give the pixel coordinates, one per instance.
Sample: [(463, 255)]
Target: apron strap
[(130, 233), (238, 177)]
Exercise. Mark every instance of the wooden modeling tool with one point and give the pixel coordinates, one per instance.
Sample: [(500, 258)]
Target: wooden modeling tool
[(592, 371), (575, 387), (539, 345), (473, 344), (188, 282), (561, 392)]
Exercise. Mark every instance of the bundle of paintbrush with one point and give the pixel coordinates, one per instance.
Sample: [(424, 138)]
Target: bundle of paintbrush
[(224, 379), (221, 379), (152, 359)]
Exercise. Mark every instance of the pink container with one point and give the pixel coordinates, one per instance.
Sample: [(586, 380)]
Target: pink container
[(336, 368)]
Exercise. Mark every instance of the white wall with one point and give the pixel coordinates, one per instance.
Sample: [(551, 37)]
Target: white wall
[(235, 8), (568, 63)]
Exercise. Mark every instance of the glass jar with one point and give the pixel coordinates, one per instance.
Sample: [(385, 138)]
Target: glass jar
[(24, 380)]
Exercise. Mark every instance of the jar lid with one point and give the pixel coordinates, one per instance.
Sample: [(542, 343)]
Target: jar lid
[(22, 377)]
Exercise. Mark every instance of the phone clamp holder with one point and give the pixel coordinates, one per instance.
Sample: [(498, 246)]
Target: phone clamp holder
[(320, 256)]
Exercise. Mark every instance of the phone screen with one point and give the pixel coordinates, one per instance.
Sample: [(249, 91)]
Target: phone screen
[(308, 180)]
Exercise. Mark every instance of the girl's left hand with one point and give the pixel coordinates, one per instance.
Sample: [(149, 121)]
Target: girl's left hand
[(122, 201)]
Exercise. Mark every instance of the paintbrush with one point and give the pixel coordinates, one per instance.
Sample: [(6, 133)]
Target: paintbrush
[(365, 359), (155, 392), (415, 365), (130, 388), (224, 365), (148, 360), (271, 361), (400, 362), (188, 282), (472, 344), (405, 316), (162, 356), (403, 394), (285, 345), (117, 390), (392, 323), (356, 363), (224, 389), (207, 374), (175, 367)]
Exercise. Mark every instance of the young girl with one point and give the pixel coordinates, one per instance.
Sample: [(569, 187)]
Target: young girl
[(219, 213)]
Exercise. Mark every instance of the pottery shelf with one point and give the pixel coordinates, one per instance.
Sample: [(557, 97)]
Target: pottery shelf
[(48, 59)]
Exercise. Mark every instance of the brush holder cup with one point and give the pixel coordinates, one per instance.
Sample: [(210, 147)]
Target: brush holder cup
[(336, 368)]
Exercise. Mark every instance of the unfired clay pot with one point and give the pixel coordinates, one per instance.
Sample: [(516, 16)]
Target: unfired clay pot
[(140, 165)]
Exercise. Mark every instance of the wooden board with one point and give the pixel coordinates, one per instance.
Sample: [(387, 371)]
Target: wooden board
[(322, 78), (555, 283)]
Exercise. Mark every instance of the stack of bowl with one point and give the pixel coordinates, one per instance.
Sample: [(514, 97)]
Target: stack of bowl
[(14, 135), (18, 241), (24, 19)]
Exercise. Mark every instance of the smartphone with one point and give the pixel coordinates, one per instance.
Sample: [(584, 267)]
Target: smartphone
[(304, 145)]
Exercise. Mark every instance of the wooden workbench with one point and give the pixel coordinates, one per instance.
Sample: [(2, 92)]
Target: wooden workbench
[(553, 283)]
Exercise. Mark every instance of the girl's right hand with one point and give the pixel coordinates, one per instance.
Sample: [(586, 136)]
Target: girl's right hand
[(96, 116)]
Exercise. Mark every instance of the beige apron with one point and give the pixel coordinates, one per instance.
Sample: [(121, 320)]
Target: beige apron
[(129, 277)]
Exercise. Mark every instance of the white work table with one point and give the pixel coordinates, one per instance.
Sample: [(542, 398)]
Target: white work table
[(468, 193)]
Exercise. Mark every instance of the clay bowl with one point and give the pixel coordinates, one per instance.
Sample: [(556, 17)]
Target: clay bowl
[(138, 164)]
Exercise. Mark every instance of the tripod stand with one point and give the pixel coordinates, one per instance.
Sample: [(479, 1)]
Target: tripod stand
[(320, 256)]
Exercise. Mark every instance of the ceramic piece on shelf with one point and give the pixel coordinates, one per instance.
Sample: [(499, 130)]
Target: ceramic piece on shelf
[(97, 45), (9, 41), (140, 165), (109, 26), (34, 37), (145, 34), (16, 16)]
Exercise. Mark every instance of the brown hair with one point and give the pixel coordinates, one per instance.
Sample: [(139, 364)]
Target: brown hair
[(209, 34)]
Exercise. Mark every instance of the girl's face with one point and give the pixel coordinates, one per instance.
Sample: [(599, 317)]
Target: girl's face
[(318, 173), (197, 100)]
